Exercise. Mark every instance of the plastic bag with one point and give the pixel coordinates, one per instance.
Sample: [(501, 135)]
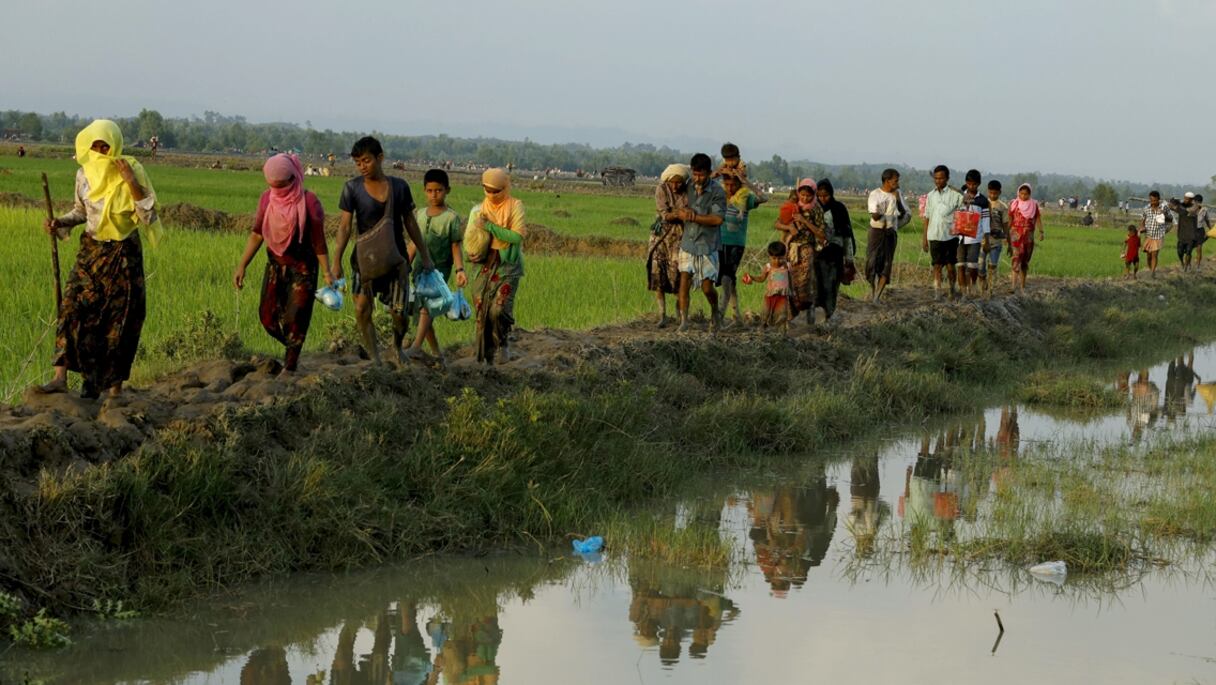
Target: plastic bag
[(966, 223), (460, 310), (331, 296), (433, 292), (591, 545)]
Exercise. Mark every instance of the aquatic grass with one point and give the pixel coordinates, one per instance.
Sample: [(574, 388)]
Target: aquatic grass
[(658, 539), (1068, 389)]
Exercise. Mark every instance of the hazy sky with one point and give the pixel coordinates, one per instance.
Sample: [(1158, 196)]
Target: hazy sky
[(1109, 88)]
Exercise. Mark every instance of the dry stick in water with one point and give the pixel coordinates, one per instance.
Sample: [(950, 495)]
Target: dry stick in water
[(1000, 634), (50, 214)]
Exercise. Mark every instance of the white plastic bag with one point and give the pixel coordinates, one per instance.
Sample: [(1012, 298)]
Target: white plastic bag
[(460, 310), (331, 296)]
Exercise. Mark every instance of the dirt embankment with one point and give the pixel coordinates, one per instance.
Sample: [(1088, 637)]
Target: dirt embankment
[(225, 471), (62, 430)]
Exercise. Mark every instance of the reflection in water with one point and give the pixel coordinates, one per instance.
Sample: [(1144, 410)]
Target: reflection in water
[(1179, 386), (866, 511), (792, 528), (441, 622), (669, 609), (1008, 440), (266, 666)]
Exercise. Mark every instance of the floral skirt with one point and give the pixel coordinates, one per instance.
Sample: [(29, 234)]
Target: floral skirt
[(662, 260), (494, 292), (103, 311)]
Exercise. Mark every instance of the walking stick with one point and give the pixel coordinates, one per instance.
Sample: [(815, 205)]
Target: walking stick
[(50, 214)]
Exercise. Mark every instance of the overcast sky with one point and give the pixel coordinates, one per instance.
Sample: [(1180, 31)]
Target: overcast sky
[(1109, 88)]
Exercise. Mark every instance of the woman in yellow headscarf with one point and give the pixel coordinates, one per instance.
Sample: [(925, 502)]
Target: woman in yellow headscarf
[(497, 281), (103, 303)]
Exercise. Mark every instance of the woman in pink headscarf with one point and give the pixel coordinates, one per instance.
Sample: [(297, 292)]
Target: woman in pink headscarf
[(801, 222), (291, 222), (1024, 218)]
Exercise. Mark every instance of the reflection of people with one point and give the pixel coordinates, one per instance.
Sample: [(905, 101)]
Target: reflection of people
[(791, 530), (1142, 412), (349, 669), (470, 653), (1179, 386), (666, 612), (411, 661), (866, 512), (266, 666)]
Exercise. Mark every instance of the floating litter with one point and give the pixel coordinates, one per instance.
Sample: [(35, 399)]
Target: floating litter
[(1050, 571), (591, 545)]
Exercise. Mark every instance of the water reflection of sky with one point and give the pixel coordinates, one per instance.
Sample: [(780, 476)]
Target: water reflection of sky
[(794, 613)]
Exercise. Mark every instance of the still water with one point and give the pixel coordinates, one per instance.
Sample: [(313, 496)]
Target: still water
[(797, 607)]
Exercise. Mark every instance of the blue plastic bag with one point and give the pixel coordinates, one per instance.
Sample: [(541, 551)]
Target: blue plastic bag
[(331, 296), (591, 545), (461, 310), (433, 292)]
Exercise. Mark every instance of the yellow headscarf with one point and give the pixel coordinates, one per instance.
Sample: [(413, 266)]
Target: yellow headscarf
[(118, 218), (500, 208)]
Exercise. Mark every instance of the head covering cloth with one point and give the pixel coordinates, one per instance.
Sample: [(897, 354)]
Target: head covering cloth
[(808, 183), (674, 170), (497, 206), (1028, 208), (286, 215), (106, 185)]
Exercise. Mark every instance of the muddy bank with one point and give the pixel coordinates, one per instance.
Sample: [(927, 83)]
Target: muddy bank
[(225, 472)]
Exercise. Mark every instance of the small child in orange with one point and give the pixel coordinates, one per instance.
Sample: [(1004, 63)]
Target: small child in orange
[(776, 277)]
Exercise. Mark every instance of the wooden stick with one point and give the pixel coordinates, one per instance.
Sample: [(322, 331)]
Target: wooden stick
[(50, 214)]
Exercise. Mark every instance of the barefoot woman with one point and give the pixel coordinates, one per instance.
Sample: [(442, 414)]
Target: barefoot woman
[(103, 303)]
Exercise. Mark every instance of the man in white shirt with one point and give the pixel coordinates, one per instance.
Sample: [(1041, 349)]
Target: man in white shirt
[(887, 215), (939, 240)]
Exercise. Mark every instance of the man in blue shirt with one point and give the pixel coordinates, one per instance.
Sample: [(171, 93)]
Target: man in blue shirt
[(699, 247)]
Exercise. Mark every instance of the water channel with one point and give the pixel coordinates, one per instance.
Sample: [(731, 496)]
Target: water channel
[(797, 606)]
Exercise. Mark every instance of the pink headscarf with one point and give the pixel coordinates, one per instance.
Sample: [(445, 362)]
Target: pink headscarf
[(1029, 208), (808, 183), (286, 214)]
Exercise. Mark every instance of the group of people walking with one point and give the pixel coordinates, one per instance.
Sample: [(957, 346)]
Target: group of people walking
[(698, 240), (699, 237), (104, 302)]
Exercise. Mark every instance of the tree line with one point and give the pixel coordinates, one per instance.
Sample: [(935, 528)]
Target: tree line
[(218, 133)]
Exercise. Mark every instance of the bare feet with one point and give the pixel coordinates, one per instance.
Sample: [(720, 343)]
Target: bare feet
[(821, 315), (55, 386), (663, 321)]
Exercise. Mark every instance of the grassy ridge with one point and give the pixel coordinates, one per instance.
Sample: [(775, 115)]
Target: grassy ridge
[(403, 463)]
